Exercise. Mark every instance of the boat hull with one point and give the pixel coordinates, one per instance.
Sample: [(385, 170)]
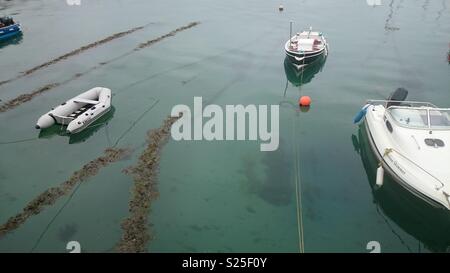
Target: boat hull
[(399, 170), (304, 59), (9, 31), (89, 122), (301, 51), (396, 177), (422, 221)]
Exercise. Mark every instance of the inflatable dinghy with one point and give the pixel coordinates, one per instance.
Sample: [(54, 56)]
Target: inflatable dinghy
[(8, 28), (78, 112)]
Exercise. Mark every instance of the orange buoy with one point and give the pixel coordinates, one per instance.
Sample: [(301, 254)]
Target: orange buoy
[(305, 101)]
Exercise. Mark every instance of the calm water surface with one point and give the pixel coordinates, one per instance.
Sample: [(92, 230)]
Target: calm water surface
[(222, 196)]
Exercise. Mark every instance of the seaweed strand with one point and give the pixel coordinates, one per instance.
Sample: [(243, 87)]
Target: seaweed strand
[(135, 228), (11, 104), (50, 196), (73, 53)]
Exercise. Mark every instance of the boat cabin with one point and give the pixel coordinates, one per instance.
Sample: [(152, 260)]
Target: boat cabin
[(423, 117), (306, 41)]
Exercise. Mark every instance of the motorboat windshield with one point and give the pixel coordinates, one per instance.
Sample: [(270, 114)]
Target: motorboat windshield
[(421, 117)]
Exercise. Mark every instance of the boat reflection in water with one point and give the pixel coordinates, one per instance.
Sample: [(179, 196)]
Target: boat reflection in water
[(304, 75), (81, 136), (298, 77), (17, 39), (429, 225)]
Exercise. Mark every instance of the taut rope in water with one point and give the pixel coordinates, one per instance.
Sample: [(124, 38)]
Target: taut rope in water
[(298, 189), (298, 193)]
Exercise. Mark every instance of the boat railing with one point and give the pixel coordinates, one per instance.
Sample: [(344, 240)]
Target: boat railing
[(403, 103), (415, 105)]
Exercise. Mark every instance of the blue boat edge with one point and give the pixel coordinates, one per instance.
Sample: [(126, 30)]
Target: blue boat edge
[(10, 31)]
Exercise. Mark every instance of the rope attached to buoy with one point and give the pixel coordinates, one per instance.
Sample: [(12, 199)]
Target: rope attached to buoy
[(298, 189), (300, 228)]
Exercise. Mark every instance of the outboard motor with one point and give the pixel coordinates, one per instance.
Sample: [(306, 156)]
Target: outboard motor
[(397, 97)]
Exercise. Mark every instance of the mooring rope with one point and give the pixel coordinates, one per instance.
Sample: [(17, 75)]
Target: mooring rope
[(37, 138), (18, 141), (135, 122), (298, 188), (108, 138), (38, 241), (300, 228)]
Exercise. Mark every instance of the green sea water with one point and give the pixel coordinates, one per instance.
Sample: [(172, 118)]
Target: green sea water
[(221, 196)]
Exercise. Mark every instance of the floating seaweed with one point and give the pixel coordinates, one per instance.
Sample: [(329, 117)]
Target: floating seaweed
[(27, 97), (73, 53), (387, 25), (170, 34), (135, 228), (50, 196)]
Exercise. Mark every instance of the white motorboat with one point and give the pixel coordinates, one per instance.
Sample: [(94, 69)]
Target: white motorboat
[(306, 47), (78, 112), (412, 143)]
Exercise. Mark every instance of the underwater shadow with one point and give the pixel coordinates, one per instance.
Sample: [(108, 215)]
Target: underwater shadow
[(13, 40), (273, 183)]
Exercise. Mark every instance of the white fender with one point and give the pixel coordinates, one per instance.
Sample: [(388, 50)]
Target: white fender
[(380, 176)]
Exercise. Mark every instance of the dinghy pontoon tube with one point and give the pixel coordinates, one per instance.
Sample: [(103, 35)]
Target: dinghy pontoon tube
[(78, 112), (412, 142)]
